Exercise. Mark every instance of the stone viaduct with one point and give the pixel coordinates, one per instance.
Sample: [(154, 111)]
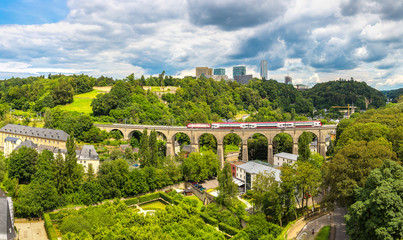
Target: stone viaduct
[(194, 134)]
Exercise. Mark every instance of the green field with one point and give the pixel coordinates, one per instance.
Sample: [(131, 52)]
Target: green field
[(154, 205), (82, 102)]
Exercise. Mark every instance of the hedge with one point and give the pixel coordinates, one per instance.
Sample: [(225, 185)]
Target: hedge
[(167, 198), (149, 197), (131, 201), (208, 219), (227, 229), (50, 231)]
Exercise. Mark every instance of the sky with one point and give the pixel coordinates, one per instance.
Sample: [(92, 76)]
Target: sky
[(310, 40)]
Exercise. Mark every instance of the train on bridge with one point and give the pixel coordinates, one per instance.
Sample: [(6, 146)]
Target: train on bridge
[(256, 125)]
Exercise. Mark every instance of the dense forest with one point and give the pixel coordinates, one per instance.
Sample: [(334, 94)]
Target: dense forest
[(362, 170), (393, 95)]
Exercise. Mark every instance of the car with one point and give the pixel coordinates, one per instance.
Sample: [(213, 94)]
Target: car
[(199, 186), (202, 189)]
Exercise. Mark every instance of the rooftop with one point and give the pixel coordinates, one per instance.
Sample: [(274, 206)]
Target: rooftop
[(35, 132), (255, 168), (291, 156), (11, 139), (88, 152)]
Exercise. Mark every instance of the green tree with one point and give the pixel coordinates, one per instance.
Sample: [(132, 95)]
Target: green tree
[(62, 93), (303, 146), (262, 183), (144, 151), (308, 179), (153, 149), (22, 164), (378, 211), (282, 142), (351, 166), (73, 171), (228, 189)]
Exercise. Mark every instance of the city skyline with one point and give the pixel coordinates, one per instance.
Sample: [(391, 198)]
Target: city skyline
[(313, 41)]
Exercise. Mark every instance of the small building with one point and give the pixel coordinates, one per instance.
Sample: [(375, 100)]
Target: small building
[(7, 231), (10, 143), (313, 146), (234, 167), (283, 157), (88, 156), (247, 171)]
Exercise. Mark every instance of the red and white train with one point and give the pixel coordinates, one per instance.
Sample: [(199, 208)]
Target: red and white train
[(253, 125)]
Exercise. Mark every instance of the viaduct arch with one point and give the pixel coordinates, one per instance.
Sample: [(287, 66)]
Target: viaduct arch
[(195, 134)]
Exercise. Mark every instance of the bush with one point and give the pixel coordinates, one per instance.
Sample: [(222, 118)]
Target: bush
[(207, 219), (227, 229), (50, 230), (323, 233), (131, 201), (149, 197), (167, 198)]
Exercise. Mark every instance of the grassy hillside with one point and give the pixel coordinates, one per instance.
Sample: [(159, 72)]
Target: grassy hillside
[(82, 102)]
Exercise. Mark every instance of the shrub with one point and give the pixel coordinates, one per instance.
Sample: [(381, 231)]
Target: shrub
[(167, 198), (207, 219), (227, 229), (131, 201), (149, 197), (50, 230)]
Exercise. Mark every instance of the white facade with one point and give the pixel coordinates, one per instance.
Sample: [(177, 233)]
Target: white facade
[(281, 158), (10, 144), (88, 156)]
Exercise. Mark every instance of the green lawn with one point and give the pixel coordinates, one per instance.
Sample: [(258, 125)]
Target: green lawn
[(82, 102), (323, 233), (154, 205), (199, 202), (79, 105)]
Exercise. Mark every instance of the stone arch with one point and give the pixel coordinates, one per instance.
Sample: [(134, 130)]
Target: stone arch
[(180, 139), (313, 140), (208, 141), (136, 134), (162, 143), (233, 147), (283, 142), (117, 130), (258, 147)]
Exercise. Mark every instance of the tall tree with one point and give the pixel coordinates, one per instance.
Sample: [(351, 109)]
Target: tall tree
[(144, 151), (228, 189), (22, 164), (153, 149), (303, 146), (378, 211)]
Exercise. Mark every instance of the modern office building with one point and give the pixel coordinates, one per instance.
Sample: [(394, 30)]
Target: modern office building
[(238, 71), (219, 71), (263, 69), (206, 71), (288, 80), (7, 231), (243, 79)]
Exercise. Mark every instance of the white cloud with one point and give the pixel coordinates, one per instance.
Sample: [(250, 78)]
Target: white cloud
[(119, 37)]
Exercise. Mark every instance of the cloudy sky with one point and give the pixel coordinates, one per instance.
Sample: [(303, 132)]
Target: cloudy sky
[(311, 40)]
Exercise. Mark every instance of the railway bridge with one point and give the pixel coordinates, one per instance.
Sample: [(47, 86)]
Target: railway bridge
[(195, 133)]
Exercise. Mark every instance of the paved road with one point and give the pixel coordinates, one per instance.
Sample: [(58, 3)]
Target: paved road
[(315, 225), (338, 221), (335, 219)]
